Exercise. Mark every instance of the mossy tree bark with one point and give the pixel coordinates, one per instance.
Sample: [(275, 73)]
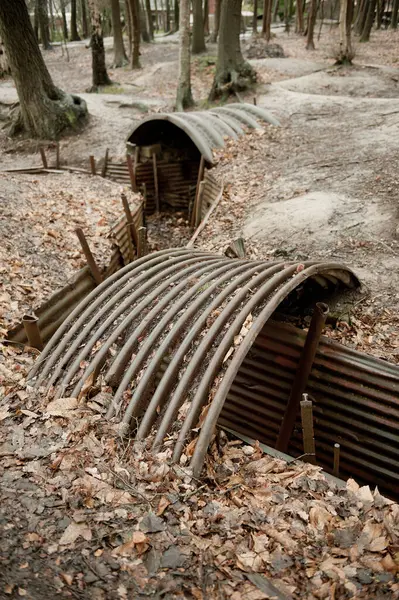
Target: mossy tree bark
[(99, 70), (233, 73), (184, 98), (44, 110), (120, 57), (198, 41)]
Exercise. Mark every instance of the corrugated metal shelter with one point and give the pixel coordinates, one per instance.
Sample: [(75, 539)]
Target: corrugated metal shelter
[(171, 150), (182, 325)]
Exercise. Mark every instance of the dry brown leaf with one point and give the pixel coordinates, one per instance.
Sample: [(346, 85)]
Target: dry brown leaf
[(73, 532), (162, 505)]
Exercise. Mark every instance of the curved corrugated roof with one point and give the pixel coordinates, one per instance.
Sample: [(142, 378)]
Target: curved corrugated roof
[(180, 309), (207, 129)]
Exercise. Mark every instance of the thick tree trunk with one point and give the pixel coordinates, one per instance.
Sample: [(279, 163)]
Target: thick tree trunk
[(345, 28), (44, 110), (150, 24), (99, 70), (255, 18), (4, 66), (42, 14), (299, 28), (311, 23), (216, 27), (395, 10), (369, 21), (232, 71), (64, 20), (267, 19), (120, 57), (135, 22), (184, 98), (85, 23), (74, 28), (198, 42)]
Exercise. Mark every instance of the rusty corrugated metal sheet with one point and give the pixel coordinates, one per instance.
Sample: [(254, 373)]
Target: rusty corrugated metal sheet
[(356, 403), (179, 307)]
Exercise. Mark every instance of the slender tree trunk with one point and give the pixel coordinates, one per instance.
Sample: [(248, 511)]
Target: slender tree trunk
[(52, 21), (44, 110), (206, 17), (299, 18), (167, 24), (64, 20), (216, 24), (232, 71), (369, 21), (176, 15), (395, 10), (135, 20), (275, 10), (311, 23), (85, 23), (345, 29), (4, 66), (267, 19), (255, 18), (120, 57), (129, 27), (184, 98), (198, 41), (150, 23), (44, 24), (361, 17), (156, 16), (145, 36), (100, 75), (74, 29)]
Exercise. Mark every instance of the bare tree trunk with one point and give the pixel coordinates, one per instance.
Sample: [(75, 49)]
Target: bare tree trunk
[(267, 19), (275, 10), (167, 24), (4, 66), (361, 17), (44, 110), (74, 29), (206, 17), (311, 23), (85, 24), (100, 75), (299, 18), (345, 28), (216, 25), (64, 20), (52, 21), (36, 20), (184, 98), (395, 10), (43, 24), (176, 15), (369, 21), (150, 23), (198, 42), (145, 36), (232, 71), (120, 57), (129, 27), (255, 18), (135, 20)]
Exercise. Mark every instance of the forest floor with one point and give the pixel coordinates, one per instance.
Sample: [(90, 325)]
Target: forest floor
[(83, 516)]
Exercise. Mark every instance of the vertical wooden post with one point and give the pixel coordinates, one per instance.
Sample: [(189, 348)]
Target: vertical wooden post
[(144, 192), (32, 332), (132, 173), (337, 449), (95, 271), (57, 156), (44, 159), (198, 204), (129, 226), (105, 165), (142, 247), (154, 164), (93, 165), (307, 430)]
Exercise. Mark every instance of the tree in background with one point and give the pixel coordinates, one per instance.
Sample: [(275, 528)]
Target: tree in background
[(233, 73), (299, 26), (267, 19), (44, 110), (216, 23), (369, 21), (74, 27), (345, 55), (64, 19), (4, 66), (150, 24), (85, 23), (184, 98), (177, 15), (255, 18), (311, 23), (134, 19), (120, 57), (99, 70), (198, 42), (395, 10), (42, 16)]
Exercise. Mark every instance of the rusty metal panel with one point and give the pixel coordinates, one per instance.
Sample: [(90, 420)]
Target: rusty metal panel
[(356, 403), (181, 308)]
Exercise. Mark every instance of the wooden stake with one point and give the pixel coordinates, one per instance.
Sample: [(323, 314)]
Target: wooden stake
[(154, 164), (57, 156), (307, 430), (142, 248), (105, 165), (132, 173), (337, 449), (144, 193), (201, 171), (131, 230), (44, 159), (93, 165), (198, 204), (95, 271)]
